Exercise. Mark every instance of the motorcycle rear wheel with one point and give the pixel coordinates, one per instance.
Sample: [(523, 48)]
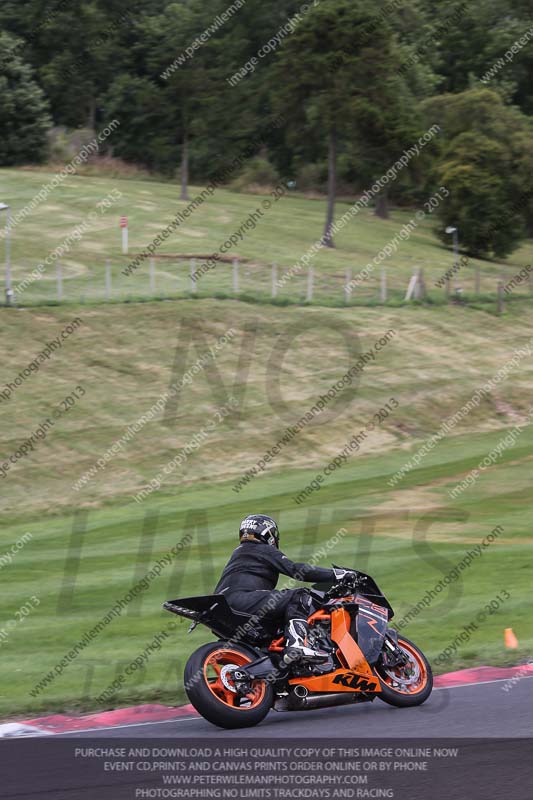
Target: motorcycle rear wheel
[(212, 692), (409, 685)]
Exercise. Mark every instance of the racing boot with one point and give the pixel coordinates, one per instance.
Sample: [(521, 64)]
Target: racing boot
[(296, 646)]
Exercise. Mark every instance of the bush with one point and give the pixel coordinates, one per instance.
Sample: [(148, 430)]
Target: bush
[(476, 171), (312, 178), (258, 173), (64, 145)]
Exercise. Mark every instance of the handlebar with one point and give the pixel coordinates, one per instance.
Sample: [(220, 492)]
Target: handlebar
[(348, 583)]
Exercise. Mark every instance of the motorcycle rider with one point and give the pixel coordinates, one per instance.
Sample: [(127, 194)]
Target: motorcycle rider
[(249, 579)]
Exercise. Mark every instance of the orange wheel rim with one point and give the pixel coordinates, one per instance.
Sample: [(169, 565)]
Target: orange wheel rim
[(217, 670), (410, 678)]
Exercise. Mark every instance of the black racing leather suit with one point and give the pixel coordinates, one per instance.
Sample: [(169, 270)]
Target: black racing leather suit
[(249, 583)]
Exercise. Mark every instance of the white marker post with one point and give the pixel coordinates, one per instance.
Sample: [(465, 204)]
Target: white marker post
[(152, 275), (310, 281), (59, 281), (124, 226), (108, 287)]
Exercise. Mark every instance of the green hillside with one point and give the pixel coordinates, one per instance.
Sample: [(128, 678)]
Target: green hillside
[(92, 542), (282, 235)]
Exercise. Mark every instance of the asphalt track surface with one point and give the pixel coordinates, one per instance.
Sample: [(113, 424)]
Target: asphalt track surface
[(473, 710), (493, 729)]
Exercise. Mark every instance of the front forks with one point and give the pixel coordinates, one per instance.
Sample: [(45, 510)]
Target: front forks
[(392, 655)]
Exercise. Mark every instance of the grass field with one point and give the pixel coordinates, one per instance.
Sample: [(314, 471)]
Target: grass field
[(89, 547), (92, 542), (282, 235)]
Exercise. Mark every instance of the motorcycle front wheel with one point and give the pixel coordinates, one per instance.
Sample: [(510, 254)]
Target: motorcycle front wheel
[(212, 692), (409, 684)]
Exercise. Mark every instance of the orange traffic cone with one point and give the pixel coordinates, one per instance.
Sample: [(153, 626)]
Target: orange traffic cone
[(510, 639)]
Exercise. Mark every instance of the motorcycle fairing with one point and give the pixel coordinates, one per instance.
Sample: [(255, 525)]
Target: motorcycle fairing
[(356, 675), (214, 611), (370, 590), (371, 625)]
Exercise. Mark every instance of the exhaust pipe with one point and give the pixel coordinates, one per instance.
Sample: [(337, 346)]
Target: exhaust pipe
[(301, 692), (302, 702)]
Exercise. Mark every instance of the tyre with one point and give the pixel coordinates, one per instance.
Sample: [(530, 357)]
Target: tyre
[(408, 685), (213, 694)]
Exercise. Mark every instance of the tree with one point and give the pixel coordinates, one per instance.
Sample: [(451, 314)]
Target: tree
[(522, 177), (24, 119), (464, 41), (485, 163), (147, 133), (334, 82), (476, 170), (78, 48), (187, 76)]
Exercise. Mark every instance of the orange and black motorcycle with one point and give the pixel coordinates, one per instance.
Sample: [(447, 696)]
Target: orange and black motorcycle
[(235, 682)]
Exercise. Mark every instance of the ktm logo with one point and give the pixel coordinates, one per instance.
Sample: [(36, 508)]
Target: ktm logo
[(352, 681)]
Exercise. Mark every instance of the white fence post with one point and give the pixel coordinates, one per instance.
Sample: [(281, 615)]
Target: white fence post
[(412, 286), (59, 282), (420, 285), (274, 280), (309, 296), (192, 268), (236, 275), (347, 287), (124, 227), (108, 289), (152, 275), (383, 285), (500, 305)]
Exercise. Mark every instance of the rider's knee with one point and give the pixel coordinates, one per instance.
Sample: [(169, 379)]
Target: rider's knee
[(300, 604)]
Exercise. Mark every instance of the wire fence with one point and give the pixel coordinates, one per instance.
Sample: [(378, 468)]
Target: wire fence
[(321, 285)]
